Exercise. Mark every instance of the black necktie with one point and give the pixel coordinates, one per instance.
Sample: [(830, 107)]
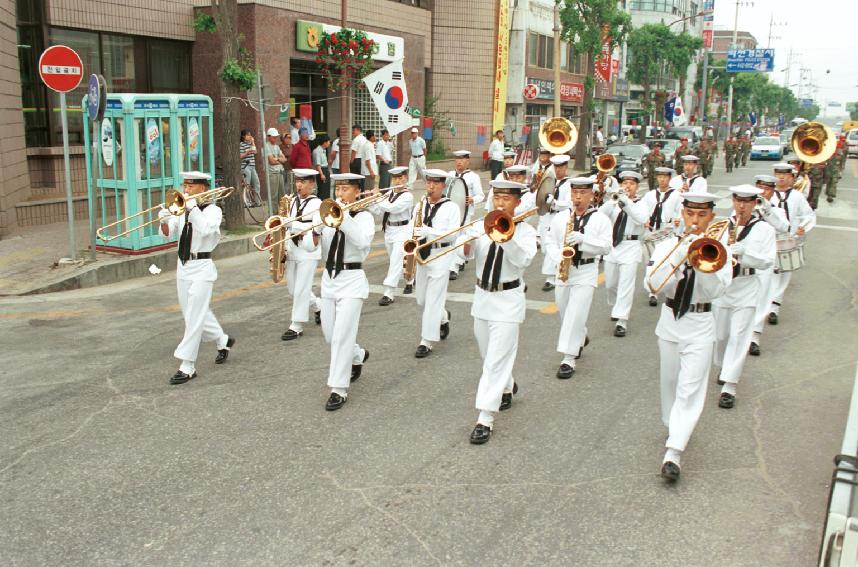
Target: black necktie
[(655, 219), (620, 227), (185, 241), (684, 290), (334, 263), (783, 203), (492, 268)]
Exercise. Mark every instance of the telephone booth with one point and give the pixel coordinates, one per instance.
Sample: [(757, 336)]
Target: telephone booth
[(135, 157)]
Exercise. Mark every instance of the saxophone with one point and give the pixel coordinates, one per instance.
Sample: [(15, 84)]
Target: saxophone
[(409, 247), (567, 253), (277, 254)]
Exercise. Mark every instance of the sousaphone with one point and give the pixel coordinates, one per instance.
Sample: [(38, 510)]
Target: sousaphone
[(558, 135)]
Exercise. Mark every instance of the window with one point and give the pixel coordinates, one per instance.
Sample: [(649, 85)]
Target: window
[(540, 51), (652, 5), (118, 63), (532, 48), (33, 93), (169, 66)]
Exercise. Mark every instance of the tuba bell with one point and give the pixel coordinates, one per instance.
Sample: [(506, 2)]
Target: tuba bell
[(606, 163), (558, 135), (813, 142)]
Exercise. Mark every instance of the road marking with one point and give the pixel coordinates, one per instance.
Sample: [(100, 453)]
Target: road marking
[(834, 227)]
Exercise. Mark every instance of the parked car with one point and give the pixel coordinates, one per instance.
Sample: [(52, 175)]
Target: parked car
[(693, 133), (629, 157), (767, 147), (786, 137), (852, 142)]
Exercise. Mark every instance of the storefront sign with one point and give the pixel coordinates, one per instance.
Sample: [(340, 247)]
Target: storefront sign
[(309, 34), (107, 142), (621, 90), (501, 67), (569, 92), (603, 62)]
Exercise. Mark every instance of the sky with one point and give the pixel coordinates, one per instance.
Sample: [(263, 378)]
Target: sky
[(821, 34)]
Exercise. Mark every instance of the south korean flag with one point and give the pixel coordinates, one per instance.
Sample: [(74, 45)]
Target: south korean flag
[(387, 89)]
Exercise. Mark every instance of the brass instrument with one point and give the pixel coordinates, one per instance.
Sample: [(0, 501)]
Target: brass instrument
[(409, 247), (705, 254), (567, 253), (558, 135), (605, 163), (332, 213), (813, 142), (174, 202), (276, 227)]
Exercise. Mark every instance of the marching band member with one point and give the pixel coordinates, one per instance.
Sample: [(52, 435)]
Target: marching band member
[(499, 306), (803, 183), (542, 163), (508, 161), (475, 197), (628, 215), (395, 214), (663, 205), (302, 256), (802, 219), (439, 215), (776, 218), (517, 173), (588, 232), (199, 230), (690, 179), (344, 287), (686, 327), (753, 246), (560, 200)]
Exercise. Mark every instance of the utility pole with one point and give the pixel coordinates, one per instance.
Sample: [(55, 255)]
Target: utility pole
[(789, 66), (345, 130), (556, 58), (730, 90)]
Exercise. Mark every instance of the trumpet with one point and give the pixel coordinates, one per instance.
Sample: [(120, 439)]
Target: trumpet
[(174, 201), (331, 212), (615, 196), (705, 254)]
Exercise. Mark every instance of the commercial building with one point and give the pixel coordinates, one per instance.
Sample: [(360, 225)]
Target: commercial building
[(722, 39)]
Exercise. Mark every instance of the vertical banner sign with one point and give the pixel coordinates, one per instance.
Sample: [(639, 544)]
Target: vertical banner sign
[(194, 139), (603, 62), (427, 127), (501, 67), (387, 88), (153, 140), (708, 22), (107, 142)]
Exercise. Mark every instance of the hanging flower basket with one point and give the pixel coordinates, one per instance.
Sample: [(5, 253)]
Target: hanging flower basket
[(345, 57)]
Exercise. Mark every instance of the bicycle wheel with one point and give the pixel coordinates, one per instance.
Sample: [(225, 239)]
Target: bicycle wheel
[(251, 201)]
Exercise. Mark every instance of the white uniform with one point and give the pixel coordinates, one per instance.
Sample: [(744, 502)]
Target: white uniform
[(776, 218), (417, 162), (475, 191), (696, 183), (662, 207), (395, 212), (343, 292), (799, 213), (621, 265), (735, 310), (194, 283), (685, 344), (431, 280), (301, 261), (498, 314), (562, 202), (575, 295)]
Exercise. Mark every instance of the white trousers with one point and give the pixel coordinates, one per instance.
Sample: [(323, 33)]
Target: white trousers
[(431, 294), (684, 371), (573, 303), (498, 343), (299, 282), (394, 269), (780, 283), (764, 303), (200, 323), (549, 267), (340, 320), (620, 287), (416, 166), (733, 327)]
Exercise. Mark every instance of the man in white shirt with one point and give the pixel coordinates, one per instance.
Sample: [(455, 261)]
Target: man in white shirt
[(690, 178), (384, 155), (395, 212), (275, 161), (369, 167), (335, 154), (600, 138), (356, 147), (417, 162), (474, 197), (496, 154), (294, 130)]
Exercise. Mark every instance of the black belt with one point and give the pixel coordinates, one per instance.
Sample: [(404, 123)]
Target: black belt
[(421, 155), (744, 272), (200, 256), (353, 266), (631, 237), (505, 286), (584, 261), (398, 223), (693, 308), (441, 244)]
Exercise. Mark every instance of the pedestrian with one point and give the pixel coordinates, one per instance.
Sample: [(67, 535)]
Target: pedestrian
[(663, 207), (560, 199), (384, 154), (294, 129), (355, 161), (496, 155), (729, 153), (653, 160), (199, 232), (816, 175), (247, 150), (417, 161), (599, 138), (320, 163), (369, 167), (690, 178), (302, 156), (335, 153), (275, 161), (746, 148), (508, 161)]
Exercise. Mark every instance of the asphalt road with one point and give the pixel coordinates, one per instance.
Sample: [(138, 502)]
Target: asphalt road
[(103, 463)]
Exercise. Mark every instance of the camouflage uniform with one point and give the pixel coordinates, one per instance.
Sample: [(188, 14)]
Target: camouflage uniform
[(831, 176), (711, 154), (702, 151), (729, 153), (746, 150), (677, 156), (817, 180), (653, 160)]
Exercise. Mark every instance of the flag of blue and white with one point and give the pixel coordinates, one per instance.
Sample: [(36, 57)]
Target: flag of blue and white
[(669, 107), (752, 118)]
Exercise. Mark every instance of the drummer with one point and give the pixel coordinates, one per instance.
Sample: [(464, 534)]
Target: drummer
[(663, 206), (474, 197)]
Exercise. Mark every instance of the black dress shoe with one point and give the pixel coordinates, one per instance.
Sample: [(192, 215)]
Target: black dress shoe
[(653, 301), (358, 368), (223, 353), (720, 382), (754, 349), (318, 317), (830, 199), (291, 335), (726, 401), (454, 275), (619, 331), (547, 286), (670, 471), (335, 402), (614, 319), (422, 351), (409, 289), (506, 401), (565, 372), (773, 318), (385, 301), (445, 327), (480, 434), (462, 268), (180, 377)]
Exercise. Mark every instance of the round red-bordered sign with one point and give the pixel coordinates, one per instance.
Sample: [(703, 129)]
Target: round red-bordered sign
[(60, 68), (531, 91)]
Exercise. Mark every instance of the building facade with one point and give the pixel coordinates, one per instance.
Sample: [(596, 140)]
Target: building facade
[(723, 39)]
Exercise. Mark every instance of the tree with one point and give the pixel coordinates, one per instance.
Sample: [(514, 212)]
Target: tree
[(680, 53), (809, 113), (852, 107), (647, 55), (586, 26)]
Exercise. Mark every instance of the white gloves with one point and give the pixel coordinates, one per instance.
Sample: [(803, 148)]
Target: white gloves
[(737, 248), (190, 204), (576, 238), (624, 200), (549, 200), (164, 214), (421, 232), (765, 205)]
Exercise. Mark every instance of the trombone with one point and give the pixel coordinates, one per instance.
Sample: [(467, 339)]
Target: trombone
[(705, 254), (332, 212), (174, 202)]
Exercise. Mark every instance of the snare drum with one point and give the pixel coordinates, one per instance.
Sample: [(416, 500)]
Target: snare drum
[(790, 254), (651, 239)]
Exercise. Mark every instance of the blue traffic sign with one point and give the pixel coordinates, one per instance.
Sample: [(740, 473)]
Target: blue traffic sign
[(750, 60), (95, 98), (805, 102)]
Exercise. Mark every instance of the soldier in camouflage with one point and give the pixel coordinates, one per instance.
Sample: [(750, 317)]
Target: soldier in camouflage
[(682, 150), (817, 180), (831, 176), (653, 160), (729, 153)]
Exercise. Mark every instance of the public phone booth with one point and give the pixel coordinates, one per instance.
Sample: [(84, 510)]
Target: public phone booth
[(135, 156)]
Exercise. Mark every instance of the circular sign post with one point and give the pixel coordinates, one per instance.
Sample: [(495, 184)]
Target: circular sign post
[(531, 91), (61, 69)]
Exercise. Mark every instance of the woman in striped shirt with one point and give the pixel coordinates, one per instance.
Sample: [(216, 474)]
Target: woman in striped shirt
[(247, 147)]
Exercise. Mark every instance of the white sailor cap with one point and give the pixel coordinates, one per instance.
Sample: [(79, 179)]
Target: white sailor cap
[(509, 153), (398, 170), (544, 150), (699, 198), (273, 132), (791, 158), (350, 178), (516, 169), (690, 157), (784, 167), (462, 153), (766, 179), (630, 175), (745, 191), (195, 176), (504, 187), (304, 173), (664, 171), (435, 174), (582, 182), (560, 159), (414, 129)]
